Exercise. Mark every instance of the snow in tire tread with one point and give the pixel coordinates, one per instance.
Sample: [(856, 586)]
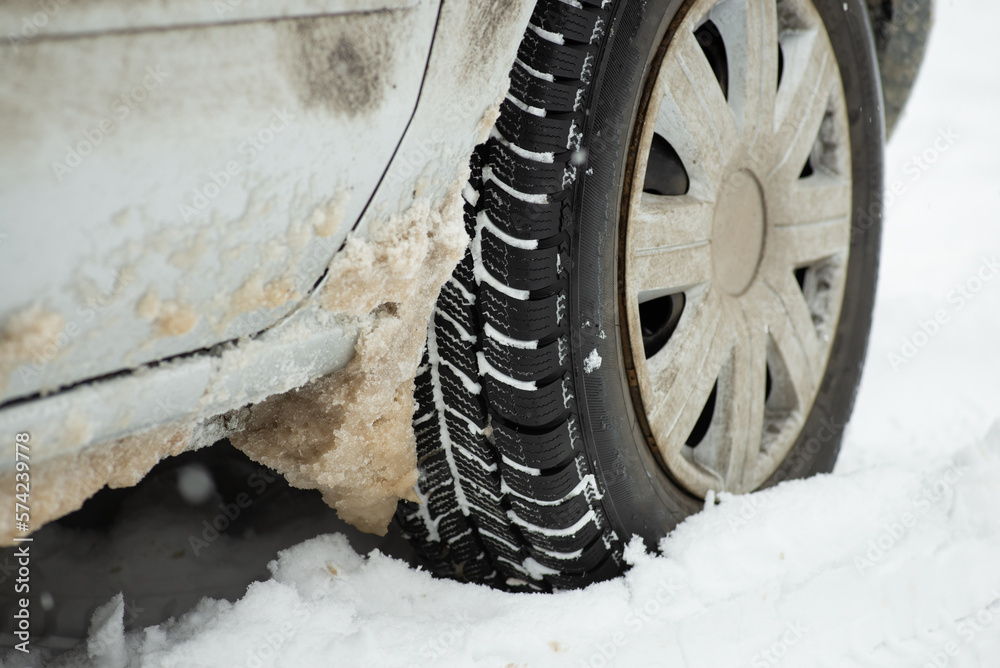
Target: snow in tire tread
[(509, 498)]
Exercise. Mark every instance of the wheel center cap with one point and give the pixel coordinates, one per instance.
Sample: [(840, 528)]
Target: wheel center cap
[(738, 232)]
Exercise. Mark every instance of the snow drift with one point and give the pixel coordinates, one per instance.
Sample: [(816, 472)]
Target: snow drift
[(888, 566)]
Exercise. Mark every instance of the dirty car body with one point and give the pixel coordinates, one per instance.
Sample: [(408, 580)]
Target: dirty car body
[(208, 204)]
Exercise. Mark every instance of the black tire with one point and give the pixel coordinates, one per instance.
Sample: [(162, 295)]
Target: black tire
[(542, 489)]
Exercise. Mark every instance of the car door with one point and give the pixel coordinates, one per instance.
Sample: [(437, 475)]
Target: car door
[(175, 175)]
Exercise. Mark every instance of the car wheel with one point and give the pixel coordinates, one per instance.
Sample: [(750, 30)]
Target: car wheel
[(675, 233)]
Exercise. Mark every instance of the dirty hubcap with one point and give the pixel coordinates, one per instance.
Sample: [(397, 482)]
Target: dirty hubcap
[(735, 239)]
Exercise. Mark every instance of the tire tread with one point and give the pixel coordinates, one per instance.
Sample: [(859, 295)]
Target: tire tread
[(505, 439)]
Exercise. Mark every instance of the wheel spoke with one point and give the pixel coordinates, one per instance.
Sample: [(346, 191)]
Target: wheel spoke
[(669, 232), (733, 448), (817, 199), (793, 380), (789, 323), (801, 103), (683, 373), (750, 32), (670, 252), (806, 243), (694, 116)]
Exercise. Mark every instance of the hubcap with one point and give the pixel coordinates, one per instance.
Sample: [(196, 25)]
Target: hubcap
[(736, 232)]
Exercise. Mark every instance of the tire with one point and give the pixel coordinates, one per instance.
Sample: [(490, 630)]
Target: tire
[(536, 456)]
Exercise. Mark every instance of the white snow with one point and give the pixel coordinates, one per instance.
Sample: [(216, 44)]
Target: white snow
[(431, 523), (534, 111), (106, 644), (588, 486), (487, 369), (488, 175), (483, 218), (533, 72), (593, 362), (470, 194), (471, 386), (476, 247), (537, 570), (544, 156), (493, 333), (588, 517), (554, 37), (890, 561), (517, 466), (443, 434), (466, 295), (463, 333), (889, 566)]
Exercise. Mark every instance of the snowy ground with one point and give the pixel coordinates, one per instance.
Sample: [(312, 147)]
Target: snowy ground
[(891, 561)]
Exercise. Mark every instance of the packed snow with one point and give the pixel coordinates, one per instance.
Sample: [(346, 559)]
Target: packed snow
[(891, 565), (890, 561)]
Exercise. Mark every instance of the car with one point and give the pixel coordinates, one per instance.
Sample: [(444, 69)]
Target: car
[(532, 277)]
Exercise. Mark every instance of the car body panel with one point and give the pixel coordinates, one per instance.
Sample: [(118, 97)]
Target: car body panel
[(23, 20), (168, 190), (201, 395)]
